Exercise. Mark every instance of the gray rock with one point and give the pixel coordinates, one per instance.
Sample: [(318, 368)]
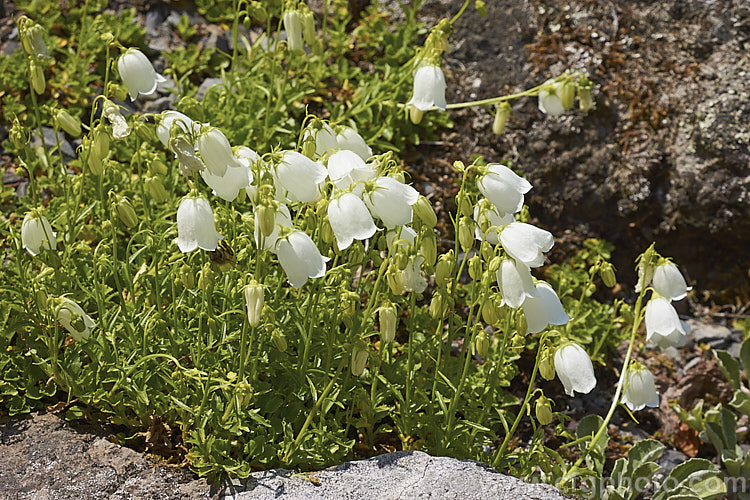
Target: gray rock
[(51, 142), (207, 84), (669, 460), (404, 474), (718, 336)]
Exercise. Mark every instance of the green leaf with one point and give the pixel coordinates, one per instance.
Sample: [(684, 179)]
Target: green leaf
[(729, 366), (648, 450), (741, 402), (745, 357)]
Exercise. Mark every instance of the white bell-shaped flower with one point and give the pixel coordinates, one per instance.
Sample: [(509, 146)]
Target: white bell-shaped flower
[(391, 201), (195, 225), (74, 319), (282, 219), (411, 277), (300, 176), (549, 99), (574, 369), (350, 220), (138, 73), (350, 140), (668, 282), (526, 243), (504, 188), (348, 171), (120, 127), (37, 233), (293, 28), (228, 186), (325, 139), (429, 88), (543, 308), (663, 326), (488, 219), (515, 283), (640, 390), (254, 302), (169, 118), (300, 258), (216, 151)]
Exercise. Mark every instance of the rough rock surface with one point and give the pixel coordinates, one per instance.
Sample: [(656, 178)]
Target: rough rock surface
[(666, 154), (45, 458)]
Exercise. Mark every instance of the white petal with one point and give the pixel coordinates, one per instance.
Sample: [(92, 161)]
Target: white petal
[(301, 176), (282, 219), (526, 243), (195, 226), (429, 88), (391, 201), (495, 219), (351, 140), (300, 258), (515, 283), (543, 308), (346, 168), (350, 220), (668, 282), (574, 369)]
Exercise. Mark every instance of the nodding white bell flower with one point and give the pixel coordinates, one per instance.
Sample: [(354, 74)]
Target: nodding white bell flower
[(350, 220), (74, 319), (668, 282), (411, 277), (350, 140), (195, 225), (494, 220), (515, 283), (282, 218), (138, 73), (403, 236), (228, 186), (663, 326), (169, 118), (216, 151), (429, 88), (300, 176), (640, 390), (348, 171), (37, 233), (526, 243), (504, 188), (574, 369), (543, 308), (120, 128), (391, 201), (549, 99), (300, 258)]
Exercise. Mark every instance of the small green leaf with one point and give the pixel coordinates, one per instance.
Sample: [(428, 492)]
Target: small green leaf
[(729, 366), (745, 357)]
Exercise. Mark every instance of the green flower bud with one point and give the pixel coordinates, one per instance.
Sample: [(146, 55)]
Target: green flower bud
[(37, 77), (187, 277), (348, 302), (393, 278), (547, 364), (489, 312), (41, 299), (487, 250), (521, 326), (155, 189), (96, 167), (465, 207), (439, 304), (360, 354), (388, 316), (475, 267), (466, 233), (415, 114), (585, 97), (424, 212), (267, 219), (308, 27), (607, 272), (568, 94), (501, 118), (278, 339), (126, 213), (19, 136), (254, 302), (68, 123), (481, 343), (428, 246), (495, 264), (326, 232), (543, 410), (444, 268), (144, 131), (206, 279), (157, 167), (31, 37)]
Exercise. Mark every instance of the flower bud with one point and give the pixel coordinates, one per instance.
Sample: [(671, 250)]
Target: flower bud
[(466, 233), (543, 410), (348, 302), (19, 136), (387, 315), (267, 219), (206, 279), (424, 212), (607, 272), (547, 364), (41, 299), (37, 77), (157, 167), (68, 123), (187, 277), (326, 232), (155, 189), (293, 27), (94, 161), (32, 40), (415, 114), (393, 278), (487, 250), (568, 94), (428, 246), (495, 264), (278, 339), (481, 343), (254, 302), (359, 358), (501, 118), (439, 304), (100, 144), (585, 98), (522, 327), (444, 268), (489, 312), (465, 207), (475, 267), (308, 28), (126, 212)]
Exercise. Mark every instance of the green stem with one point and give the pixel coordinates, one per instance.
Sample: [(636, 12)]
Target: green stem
[(460, 12), (616, 399)]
